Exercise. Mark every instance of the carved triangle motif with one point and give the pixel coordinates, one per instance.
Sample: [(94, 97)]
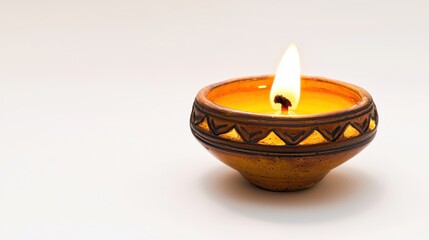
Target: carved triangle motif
[(293, 137), (372, 124), (219, 127), (204, 125), (361, 127), (272, 139), (331, 134), (314, 138), (252, 134), (232, 135), (351, 131), (197, 116)]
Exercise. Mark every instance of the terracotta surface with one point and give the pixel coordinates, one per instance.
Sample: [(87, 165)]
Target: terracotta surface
[(284, 153)]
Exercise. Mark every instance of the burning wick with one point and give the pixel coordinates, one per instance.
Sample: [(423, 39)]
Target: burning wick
[(284, 102)]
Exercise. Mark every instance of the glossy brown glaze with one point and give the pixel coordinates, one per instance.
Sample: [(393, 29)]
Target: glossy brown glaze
[(284, 153)]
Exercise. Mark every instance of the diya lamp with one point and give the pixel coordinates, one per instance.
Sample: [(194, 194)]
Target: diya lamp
[(284, 132)]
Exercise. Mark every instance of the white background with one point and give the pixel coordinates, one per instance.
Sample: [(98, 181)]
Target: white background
[(95, 98)]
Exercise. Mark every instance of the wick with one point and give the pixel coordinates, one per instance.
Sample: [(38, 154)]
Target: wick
[(284, 102)]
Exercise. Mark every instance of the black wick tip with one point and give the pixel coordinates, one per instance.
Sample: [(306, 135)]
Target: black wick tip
[(283, 101)]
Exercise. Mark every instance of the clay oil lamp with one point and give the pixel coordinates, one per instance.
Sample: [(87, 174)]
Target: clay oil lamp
[(284, 132)]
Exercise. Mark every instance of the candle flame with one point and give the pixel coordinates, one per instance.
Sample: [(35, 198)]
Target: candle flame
[(287, 81)]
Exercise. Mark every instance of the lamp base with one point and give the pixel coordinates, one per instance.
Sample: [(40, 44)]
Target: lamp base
[(283, 173), (284, 184)]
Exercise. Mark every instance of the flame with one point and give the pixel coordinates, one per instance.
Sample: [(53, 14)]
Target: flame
[(287, 81)]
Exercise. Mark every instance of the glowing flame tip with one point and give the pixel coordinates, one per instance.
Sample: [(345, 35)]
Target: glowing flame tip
[(287, 81)]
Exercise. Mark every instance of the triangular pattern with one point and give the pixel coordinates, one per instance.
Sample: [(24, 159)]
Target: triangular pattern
[(292, 136), (232, 135), (332, 134), (361, 127), (278, 135), (314, 138), (372, 124), (252, 134), (219, 126), (272, 139), (204, 125), (197, 116), (351, 132)]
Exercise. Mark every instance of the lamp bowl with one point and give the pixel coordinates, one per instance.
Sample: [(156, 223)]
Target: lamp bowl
[(284, 153)]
